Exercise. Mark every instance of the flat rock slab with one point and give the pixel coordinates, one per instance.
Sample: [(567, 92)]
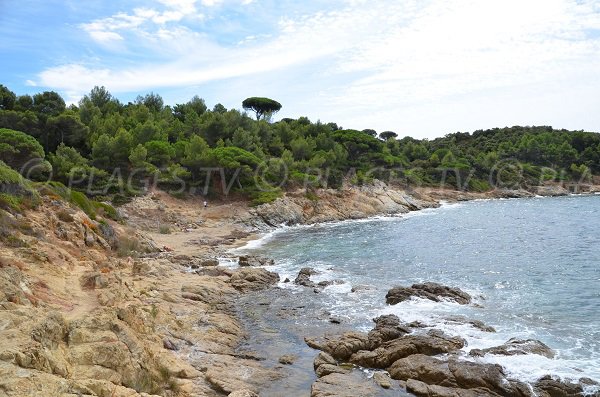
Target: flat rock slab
[(353, 384)]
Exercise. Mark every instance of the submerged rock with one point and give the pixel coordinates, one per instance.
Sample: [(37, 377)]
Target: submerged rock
[(480, 325), (288, 359), (432, 291)]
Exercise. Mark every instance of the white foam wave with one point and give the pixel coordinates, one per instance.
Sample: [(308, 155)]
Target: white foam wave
[(527, 368)]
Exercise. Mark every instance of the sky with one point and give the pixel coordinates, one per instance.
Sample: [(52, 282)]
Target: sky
[(421, 68)]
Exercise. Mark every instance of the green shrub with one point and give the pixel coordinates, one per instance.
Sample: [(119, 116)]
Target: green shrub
[(10, 202), (312, 196), (479, 185), (106, 210), (81, 200), (17, 148), (128, 246), (8, 175), (164, 229), (259, 198)]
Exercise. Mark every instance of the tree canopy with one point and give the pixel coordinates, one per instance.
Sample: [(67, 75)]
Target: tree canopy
[(182, 144), (262, 107)]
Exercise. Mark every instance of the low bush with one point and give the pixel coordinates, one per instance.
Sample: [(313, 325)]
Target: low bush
[(259, 198), (128, 246)]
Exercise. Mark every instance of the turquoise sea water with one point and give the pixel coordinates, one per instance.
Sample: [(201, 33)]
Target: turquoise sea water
[(533, 266)]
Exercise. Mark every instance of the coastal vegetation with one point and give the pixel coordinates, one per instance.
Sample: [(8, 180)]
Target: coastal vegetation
[(111, 150)]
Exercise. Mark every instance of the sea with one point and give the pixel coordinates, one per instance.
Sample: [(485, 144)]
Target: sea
[(532, 266)]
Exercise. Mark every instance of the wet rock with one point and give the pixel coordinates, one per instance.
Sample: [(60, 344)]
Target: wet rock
[(475, 323), (327, 369), (387, 327), (424, 368), (323, 358), (548, 387), (341, 347), (516, 347), (287, 359), (454, 378), (253, 279), (303, 277), (344, 385), (382, 379), (251, 260), (432, 291), (361, 288), (391, 351)]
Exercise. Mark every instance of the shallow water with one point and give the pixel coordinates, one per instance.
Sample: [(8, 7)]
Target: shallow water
[(532, 264)]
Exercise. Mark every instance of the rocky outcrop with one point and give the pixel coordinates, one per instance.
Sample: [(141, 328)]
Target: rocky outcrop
[(253, 279), (303, 277), (515, 347), (350, 384), (383, 356), (427, 363), (326, 205), (256, 261), (432, 291), (549, 387), (454, 375)]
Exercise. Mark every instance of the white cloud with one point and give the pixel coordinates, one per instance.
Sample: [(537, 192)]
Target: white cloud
[(211, 3), (104, 37), (377, 62)]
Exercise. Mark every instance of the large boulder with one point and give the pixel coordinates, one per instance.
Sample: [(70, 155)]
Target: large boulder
[(432, 291), (341, 347), (431, 344), (455, 378), (253, 279)]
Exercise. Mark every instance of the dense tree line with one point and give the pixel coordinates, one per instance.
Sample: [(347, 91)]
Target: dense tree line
[(100, 143)]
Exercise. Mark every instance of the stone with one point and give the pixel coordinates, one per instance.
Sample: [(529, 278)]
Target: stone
[(382, 379), (323, 358), (326, 369), (303, 277), (514, 347), (251, 260), (432, 291), (549, 387), (169, 344), (351, 384), (253, 279), (385, 355), (288, 359)]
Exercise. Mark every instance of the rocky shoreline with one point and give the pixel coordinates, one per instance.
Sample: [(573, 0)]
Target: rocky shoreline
[(426, 362), (93, 307)]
